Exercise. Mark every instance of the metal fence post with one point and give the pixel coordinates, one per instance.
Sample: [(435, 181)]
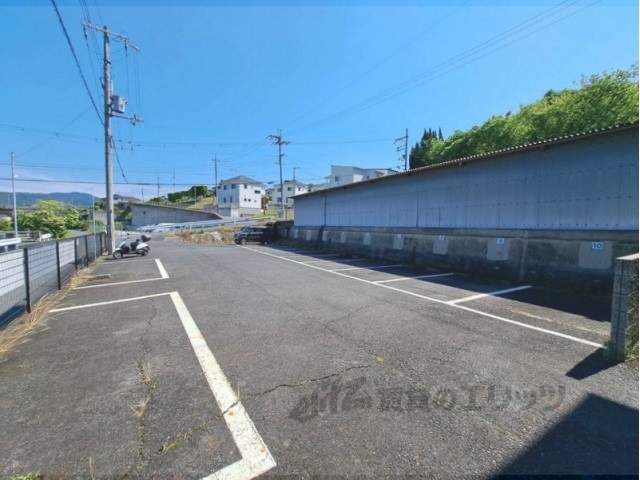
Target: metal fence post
[(86, 250), (25, 259), (75, 253)]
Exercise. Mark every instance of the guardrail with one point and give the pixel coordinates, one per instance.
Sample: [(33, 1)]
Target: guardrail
[(35, 269), (7, 244), (172, 227)]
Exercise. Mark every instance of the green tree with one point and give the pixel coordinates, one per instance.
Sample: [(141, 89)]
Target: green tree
[(50, 216), (6, 225), (601, 101)]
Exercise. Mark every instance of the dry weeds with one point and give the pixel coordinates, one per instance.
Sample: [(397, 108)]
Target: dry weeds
[(19, 331), (140, 407), (223, 235)]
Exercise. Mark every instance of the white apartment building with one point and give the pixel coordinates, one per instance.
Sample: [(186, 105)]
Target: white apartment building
[(344, 175), (291, 189), (239, 196)]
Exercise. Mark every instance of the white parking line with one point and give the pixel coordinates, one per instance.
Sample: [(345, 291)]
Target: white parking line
[(163, 272), (317, 261), (379, 267), (335, 261), (256, 458), (443, 302), (118, 283), (110, 302), (163, 276), (412, 278), (488, 294)]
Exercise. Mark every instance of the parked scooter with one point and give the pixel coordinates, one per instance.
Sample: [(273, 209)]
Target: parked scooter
[(137, 247)]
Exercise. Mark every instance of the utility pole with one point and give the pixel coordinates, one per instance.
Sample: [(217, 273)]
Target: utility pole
[(108, 113), (13, 186), (293, 192), (108, 162), (215, 171), (277, 140), (399, 148)]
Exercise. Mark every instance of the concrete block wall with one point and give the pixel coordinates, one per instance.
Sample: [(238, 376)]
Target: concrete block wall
[(579, 261), (145, 214)]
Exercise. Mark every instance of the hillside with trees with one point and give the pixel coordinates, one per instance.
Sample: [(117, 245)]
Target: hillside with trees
[(600, 101)]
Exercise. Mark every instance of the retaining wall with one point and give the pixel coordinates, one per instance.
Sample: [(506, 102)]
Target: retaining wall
[(145, 214), (581, 261)]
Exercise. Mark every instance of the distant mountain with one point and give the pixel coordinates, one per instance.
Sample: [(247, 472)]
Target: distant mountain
[(77, 199)]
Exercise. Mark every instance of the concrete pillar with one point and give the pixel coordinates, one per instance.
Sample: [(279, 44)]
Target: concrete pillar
[(623, 308)]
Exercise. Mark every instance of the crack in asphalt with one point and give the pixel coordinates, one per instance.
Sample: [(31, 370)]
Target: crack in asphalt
[(302, 383)]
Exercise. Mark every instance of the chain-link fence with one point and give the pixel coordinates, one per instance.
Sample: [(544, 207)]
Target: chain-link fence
[(30, 272)]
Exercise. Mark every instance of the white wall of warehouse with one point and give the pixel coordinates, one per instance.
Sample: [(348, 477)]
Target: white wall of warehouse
[(589, 182)]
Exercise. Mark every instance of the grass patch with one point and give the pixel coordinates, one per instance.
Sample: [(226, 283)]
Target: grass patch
[(28, 476)]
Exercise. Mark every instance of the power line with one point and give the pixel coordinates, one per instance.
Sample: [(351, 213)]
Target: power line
[(75, 58), (171, 144), (450, 65), (94, 182), (384, 60), (57, 133)]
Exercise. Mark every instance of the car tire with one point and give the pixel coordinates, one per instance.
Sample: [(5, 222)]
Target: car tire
[(243, 241)]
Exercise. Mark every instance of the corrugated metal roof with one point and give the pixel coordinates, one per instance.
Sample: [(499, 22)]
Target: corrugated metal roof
[(485, 156)]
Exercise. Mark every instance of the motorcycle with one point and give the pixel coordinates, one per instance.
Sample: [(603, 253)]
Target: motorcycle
[(137, 247)]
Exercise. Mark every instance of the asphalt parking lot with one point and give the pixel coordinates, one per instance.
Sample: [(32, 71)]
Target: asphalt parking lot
[(236, 362)]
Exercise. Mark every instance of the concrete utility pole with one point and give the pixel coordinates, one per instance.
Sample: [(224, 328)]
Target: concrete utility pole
[(277, 140), (400, 147), (215, 171), (293, 191), (108, 162), (108, 113), (13, 186)]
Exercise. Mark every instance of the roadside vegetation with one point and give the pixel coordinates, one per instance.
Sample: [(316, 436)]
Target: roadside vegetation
[(20, 330), (51, 216), (600, 101)]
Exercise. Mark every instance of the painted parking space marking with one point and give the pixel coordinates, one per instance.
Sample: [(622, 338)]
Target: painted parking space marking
[(317, 261), (321, 260), (401, 279), (442, 302), (161, 269), (377, 267), (256, 458), (322, 255), (488, 294), (110, 302), (163, 276)]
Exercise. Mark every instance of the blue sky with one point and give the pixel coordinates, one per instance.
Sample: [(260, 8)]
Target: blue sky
[(341, 82)]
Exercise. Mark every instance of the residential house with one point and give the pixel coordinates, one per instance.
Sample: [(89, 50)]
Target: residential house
[(239, 197), (291, 189)]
